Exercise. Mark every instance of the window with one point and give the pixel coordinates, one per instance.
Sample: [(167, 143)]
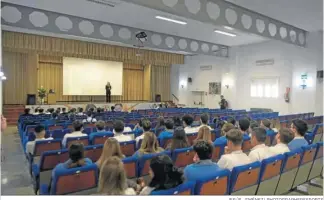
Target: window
[(265, 87)]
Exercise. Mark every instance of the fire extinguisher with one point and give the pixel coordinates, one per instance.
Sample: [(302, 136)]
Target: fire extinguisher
[(286, 96)]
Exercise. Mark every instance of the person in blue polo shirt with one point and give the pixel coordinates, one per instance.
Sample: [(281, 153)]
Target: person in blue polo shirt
[(299, 128), (168, 132), (266, 124), (203, 166)]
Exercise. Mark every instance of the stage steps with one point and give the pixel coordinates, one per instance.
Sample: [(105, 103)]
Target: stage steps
[(12, 112)]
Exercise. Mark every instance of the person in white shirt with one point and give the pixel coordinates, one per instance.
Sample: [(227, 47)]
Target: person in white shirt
[(259, 151), (80, 113), (118, 132), (40, 135), (146, 125), (187, 122), (77, 126), (90, 118), (283, 138), (204, 121), (234, 155)]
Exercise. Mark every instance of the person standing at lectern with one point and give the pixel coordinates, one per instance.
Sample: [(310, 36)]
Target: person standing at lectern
[(108, 92), (223, 103)]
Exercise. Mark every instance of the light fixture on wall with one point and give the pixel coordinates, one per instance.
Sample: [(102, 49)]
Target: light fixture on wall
[(227, 86), (183, 83), (2, 76)]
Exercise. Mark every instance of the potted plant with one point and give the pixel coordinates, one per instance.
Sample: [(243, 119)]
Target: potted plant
[(41, 94)]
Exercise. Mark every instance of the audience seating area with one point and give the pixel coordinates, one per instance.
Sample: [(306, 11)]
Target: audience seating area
[(275, 175)]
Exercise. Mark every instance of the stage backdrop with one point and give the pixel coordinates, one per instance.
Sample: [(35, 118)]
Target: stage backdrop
[(89, 77)]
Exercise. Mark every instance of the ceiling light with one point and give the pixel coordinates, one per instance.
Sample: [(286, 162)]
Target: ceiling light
[(171, 20), (225, 33), (1, 74), (228, 28), (3, 78)]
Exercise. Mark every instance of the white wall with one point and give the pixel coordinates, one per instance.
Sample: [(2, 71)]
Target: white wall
[(289, 63)]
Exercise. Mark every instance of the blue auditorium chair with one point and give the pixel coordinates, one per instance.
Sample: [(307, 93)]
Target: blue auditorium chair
[(55, 127), (217, 184), (144, 162), (318, 133), (288, 171), (305, 164), (186, 188), (270, 174), (183, 157), (99, 137), (191, 137), (93, 152), (128, 148), (244, 179), (81, 181), (58, 134), (42, 172), (165, 141), (317, 166), (218, 151), (131, 167), (81, 139), (216, 133)]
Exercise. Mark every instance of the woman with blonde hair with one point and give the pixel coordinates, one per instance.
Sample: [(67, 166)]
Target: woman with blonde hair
[(110, 148), (149, 145), (204, 133), (112, 178)]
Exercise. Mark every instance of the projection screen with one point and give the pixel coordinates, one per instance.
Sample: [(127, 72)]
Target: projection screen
[(89, 77)]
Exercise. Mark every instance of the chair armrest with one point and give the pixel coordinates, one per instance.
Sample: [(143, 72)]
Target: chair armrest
[(35, 170)]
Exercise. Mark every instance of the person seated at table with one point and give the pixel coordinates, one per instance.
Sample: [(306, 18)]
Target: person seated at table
[(299, 128), (40, 136), (187, 124), (78, 127), (234, 156), (179, 140), (203, 166), (150, 145), (119, 132), (164, 175), (283, 138), (259, 151), (80, 113)]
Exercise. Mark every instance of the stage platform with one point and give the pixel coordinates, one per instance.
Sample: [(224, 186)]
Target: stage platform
[(126, 106)]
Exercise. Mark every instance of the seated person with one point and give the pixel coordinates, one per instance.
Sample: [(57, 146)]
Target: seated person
[(203, 166), (253, 124), (80, 113), (244, 125), (118, 107), (160, 125), (40, 135), (177, 122), (234, 155), (90, 118), (204, 121), (266, 124), (283, 138), (168, 132), (231, 120), (150, 145), (204, 134), (26, 112), (139, 126), (77, 126), (36, 111), (41, 112), (144, 126), (179, 140), (119, 132), (187, 122), (299, 128), (100, 125), (64, 111), (164, 175), (112, 178), (225, 128), (259, 151)]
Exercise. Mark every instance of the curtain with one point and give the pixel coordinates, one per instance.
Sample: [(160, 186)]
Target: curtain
[(160, 82)]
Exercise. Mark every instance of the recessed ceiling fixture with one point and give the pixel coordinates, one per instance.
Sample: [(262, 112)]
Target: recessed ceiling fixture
[(225, 33), (228, 28), (171, 20)]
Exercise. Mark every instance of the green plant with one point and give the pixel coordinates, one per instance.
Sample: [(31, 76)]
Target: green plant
[(41, 92)]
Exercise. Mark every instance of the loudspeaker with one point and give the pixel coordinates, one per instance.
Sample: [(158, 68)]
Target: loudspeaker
[(157, 98), (189, 80), (320, 74), (31, 99)]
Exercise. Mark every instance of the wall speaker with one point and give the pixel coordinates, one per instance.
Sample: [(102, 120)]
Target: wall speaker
[(189, 80), (31, 99)]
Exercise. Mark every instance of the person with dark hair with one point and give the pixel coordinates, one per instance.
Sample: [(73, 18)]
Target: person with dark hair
[(26, 112), (118, 107), (299, 128), (64, 111), (90, 118), (142, 127), (40, 135), (41, 111), (204, 121), (259, 151), (283, 138), (119, 132), (112, 108), (168, 132), (223, 103), (231, 120), (58, 110), (160, 125), (179, 140), (203, 167), (222, 140), (36, 111), (77, 126), (266, 124), (234, 156), (244, 125), (80, 112), (187, 121), (177, 121), (253, 124), (164, 175)]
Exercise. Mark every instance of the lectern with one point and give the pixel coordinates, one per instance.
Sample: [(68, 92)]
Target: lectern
[(51, 98)]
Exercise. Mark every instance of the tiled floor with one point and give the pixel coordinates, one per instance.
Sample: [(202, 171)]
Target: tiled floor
[(15, 178)]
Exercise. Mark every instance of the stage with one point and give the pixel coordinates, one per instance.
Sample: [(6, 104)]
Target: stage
[(126, 106)]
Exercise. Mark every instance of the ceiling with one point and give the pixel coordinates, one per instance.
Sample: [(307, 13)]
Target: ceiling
[(305, 14)]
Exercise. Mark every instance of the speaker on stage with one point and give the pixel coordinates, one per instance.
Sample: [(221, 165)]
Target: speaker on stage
[(31, 99), (157, 98)]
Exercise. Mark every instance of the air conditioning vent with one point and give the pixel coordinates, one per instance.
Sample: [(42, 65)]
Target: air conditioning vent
[(208, 67), (110, 3), (264, 62)]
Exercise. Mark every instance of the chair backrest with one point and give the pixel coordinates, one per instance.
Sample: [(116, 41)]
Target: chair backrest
[(131, 167), (217, 184), (70, 126), (244, 176), (49, 159), (271, 167), (73, 180), (191, 137), (291, 160), (55, 127), (93, 152), (101, 139), (216, 133), (128, 148), (308, 154), (46, 145), (247, 146), (82, 139), (183, 157), (58, 134), (144, 162), (218, 151), (164, 142), (319, 153), (186, 188)]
